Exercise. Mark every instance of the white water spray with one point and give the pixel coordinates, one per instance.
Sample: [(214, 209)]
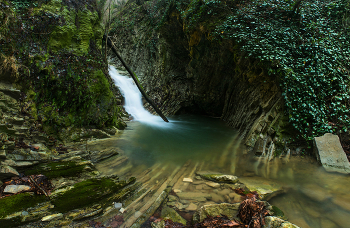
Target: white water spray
[(133, 102)]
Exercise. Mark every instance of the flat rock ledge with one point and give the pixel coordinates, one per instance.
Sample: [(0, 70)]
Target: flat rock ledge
[(330, 154)]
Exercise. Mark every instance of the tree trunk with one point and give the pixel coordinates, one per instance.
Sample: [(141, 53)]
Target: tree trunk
[(109, 43)]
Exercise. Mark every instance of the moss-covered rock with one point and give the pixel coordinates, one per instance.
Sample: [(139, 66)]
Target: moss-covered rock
[(169, 213), (221, 178), (59, 63), (87, 193), (15, 203), (58, 169)]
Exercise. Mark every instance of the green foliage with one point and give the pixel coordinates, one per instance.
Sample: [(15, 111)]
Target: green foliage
[(307, 48), (63, 68)]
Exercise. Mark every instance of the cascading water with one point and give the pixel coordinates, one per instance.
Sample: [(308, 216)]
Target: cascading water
[(133, 102)]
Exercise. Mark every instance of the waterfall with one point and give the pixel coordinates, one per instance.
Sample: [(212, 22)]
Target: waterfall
[(133, 102)]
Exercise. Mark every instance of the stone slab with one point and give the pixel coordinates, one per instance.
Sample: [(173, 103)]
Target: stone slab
[(330, 154), (7, 172), (16, 188)]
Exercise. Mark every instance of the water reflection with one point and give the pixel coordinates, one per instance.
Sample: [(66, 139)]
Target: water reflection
[(313, 198)]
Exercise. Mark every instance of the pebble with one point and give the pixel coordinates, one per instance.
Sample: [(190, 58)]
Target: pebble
[(118, 205), (122, 210), (137, 214), (212, 184), (177, 190), (187, 180), (51, 217)]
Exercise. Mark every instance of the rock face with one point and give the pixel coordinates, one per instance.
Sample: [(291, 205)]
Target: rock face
[(188, 72), (330, 154)]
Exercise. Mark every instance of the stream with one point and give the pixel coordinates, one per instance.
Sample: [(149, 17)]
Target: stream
[(312, 198)]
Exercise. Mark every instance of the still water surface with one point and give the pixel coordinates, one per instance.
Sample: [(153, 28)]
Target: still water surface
[(313, 198)]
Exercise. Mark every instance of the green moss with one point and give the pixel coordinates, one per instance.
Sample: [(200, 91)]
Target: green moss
[(57, 169), (86, 193), (15, 203), (278, 212), (77, 32)]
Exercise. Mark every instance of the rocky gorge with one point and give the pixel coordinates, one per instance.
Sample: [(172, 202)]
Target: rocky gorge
[(63, 159)]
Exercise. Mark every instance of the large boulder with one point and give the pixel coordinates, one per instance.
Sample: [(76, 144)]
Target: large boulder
[(330, 153)]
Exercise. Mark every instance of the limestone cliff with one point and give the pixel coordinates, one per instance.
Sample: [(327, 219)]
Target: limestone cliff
[(187, 71)]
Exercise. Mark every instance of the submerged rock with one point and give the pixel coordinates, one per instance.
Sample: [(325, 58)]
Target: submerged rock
[(199, 196), (52, 217), (265, 188), (275, 222), (169, 213), (221, 178), (229, 210), (330, 154)]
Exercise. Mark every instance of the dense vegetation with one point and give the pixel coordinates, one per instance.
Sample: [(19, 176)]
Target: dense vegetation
[(52, 49), (304, 43)]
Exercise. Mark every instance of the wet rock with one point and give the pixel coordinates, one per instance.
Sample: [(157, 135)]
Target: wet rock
[(235, 198), (187, 180), (199, 196), (342, 201), (118, 205), (192, 207), (86, 213), (212, 184), (52, 217), (315, 192), (230, 210), (137, 214), (328, 223), (14, 93), (28, 155), (217, 198), (160, 224), (16, 188), (275, 222), (2, 154), (172, 198), (97, 156), (24, 164), (17, 120), (221, 178), (330, 153), (169, 213), (7, 172), (265, 188)]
